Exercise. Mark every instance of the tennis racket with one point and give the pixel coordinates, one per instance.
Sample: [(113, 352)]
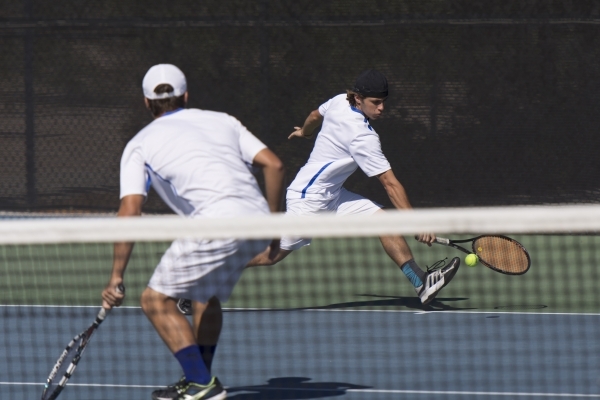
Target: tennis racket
[(70, 357), (500, 253)]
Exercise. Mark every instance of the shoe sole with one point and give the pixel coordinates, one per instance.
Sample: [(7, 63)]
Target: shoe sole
[(220, 396)]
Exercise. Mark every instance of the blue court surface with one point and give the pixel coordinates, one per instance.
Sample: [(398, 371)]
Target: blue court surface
[(318, 354)]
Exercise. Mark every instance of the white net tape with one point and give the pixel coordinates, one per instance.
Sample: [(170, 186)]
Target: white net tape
[(524, 219)]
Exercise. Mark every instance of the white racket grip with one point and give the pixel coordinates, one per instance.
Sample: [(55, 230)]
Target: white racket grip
[(443, 241), (102, 314), (103, 311)]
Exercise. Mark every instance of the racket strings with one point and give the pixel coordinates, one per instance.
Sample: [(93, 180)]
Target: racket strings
[(502, 253)]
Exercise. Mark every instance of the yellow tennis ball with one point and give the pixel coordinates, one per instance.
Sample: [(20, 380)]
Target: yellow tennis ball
[(471, 260)]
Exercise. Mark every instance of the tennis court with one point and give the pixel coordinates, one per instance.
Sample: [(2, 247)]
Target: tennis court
[(490, 104), (336, 319)]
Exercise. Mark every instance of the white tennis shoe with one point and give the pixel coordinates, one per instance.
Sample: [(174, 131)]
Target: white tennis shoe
[(437, 278)]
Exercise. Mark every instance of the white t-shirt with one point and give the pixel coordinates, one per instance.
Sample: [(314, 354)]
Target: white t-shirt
[(198, 162), (346, 141)]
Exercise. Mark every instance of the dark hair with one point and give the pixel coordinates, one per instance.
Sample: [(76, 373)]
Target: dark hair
[(351, 99), (160, 106)]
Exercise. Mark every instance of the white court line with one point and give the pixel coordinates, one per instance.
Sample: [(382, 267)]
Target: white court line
[(458, 393), (317, 309), (373, 391), (81, 384)]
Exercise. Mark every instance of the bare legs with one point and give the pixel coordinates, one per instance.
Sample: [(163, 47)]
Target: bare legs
[(397, 248), (174, 328)]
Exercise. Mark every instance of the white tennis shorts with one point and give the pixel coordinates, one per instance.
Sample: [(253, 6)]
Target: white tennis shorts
[(346, 203), (201, 269)]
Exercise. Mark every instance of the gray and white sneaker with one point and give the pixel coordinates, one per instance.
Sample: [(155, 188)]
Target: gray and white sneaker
[(438, 276), (184, 390), (184, 306)]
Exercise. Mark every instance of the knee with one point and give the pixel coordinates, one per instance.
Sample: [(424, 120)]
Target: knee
[(147, 301)]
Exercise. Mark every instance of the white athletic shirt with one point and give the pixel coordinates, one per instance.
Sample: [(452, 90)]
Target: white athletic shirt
[(346, 141), (198, 162)]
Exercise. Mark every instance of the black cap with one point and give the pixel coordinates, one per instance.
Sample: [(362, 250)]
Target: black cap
[(371, 83)]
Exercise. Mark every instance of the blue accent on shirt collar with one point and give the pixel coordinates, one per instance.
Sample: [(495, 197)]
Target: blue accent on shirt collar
[(360, 112), (171, 112)]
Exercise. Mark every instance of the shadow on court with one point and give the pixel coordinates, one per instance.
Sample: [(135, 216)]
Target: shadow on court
[(439, 304), (413, 303), (393, 301), (291, 388)]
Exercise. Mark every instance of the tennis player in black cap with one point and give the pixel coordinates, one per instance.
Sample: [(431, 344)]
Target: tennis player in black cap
[(346, 142)]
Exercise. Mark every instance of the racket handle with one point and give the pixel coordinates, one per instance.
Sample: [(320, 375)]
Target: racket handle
[(102, 314), (104, 311), (443, 241)]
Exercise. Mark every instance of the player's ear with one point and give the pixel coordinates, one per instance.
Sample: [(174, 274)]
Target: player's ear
[(185, 97), (146, 103), (357, 99)]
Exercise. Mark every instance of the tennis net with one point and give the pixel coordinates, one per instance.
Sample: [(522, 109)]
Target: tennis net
[(336, 318)]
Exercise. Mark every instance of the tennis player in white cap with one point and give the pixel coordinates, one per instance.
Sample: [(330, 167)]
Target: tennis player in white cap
[(199, 162), (346, 142)]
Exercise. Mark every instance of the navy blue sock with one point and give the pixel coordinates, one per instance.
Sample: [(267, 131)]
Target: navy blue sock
[(208, 354), (415, 275), (193, 365)]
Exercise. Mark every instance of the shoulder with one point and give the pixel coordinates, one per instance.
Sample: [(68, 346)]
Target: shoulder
[(133, 153), (340, 98), (213, 116), (197, 112), (338, 101), (333, 103), (139, 137), (341, 108), (146, 133)]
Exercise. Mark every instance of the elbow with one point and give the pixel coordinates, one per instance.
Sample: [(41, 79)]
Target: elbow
[(274, 170), (131, 206), (277, 166), (316, 116)]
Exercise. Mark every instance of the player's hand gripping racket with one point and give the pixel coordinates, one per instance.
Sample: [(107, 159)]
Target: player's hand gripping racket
[(500, 253), (69, 358)]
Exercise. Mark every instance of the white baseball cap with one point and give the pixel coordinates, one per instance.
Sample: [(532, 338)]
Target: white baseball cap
[(161, 74)]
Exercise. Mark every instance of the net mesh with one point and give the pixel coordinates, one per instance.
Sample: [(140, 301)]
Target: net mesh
[(336, 318)]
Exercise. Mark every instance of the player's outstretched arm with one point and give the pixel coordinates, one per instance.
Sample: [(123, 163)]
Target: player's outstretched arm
[(395, 190), (311, 123), (274, 173), (130, 206), (399, 199)]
